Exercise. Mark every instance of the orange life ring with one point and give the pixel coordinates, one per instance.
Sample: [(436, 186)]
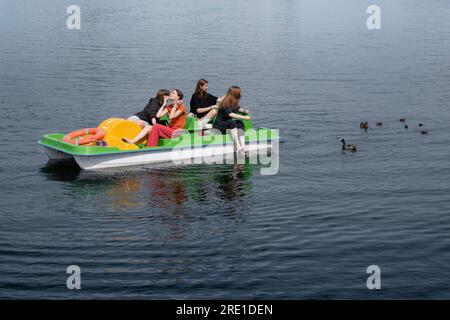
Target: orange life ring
[(84, 136)]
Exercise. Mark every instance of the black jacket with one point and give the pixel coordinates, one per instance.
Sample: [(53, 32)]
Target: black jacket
[(150, 110)]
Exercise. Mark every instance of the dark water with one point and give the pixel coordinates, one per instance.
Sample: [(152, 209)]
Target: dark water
[(311, 69)]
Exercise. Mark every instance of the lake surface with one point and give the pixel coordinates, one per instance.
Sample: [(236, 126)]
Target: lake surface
[(309, 68)]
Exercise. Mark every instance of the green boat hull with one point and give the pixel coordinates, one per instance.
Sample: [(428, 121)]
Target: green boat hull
[(187, 146)]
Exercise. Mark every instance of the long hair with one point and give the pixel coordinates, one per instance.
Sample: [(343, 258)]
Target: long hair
[(160, 95), (199, 93), (232, 98)]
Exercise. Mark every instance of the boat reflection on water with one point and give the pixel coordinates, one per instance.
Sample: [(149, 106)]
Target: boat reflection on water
[(62, 170), (174, 189), (155, 203)]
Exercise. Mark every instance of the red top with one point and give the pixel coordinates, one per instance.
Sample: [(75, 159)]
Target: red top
[(180, 121)]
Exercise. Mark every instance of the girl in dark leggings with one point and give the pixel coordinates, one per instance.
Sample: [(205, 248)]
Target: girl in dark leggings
[(228, 117)]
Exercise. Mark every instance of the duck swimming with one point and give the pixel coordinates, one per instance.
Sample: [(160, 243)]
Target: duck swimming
[(349, 147), (364, 125), (402, 119), (379, 124), (424, 132), (420, 125)]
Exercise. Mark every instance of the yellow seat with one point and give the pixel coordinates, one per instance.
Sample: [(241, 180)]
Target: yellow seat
[(116, 128)]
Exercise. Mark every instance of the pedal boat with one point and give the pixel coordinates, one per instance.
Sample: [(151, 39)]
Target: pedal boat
[(191, 145)]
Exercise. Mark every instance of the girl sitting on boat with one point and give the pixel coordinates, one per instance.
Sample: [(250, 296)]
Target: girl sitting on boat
[(147, 117), (177, 115), (228, 117), (203, 104)]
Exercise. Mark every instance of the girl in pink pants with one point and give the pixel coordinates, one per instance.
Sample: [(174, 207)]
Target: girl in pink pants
[(160, 131)]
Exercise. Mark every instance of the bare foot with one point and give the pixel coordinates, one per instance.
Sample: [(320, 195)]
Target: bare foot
[(127, 141)]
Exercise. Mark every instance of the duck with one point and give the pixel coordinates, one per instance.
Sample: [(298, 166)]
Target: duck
[(350, 147), (402, 120), (379, 124), (406, 126), (420, 125), (424, 132), (364, 125)]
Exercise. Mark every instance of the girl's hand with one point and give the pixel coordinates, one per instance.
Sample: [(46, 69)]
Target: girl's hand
[(165, 99), (246, 111)]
